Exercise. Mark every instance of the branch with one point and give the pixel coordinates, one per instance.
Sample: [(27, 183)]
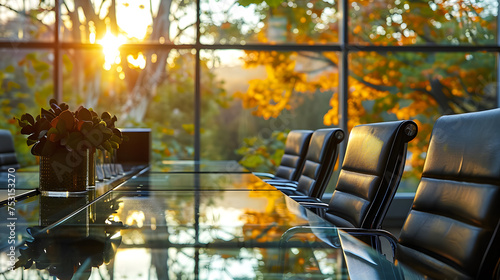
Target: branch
[(151, 8), (390, 89), (182, 30), (100, 7)]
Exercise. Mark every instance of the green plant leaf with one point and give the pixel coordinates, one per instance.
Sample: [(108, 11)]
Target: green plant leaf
[(68, 118), (107, 146), (28, 129), (30, 79), (85, 126), (53, 134), (10, 69), (60, 125), (47, 115), (115, 139), (83, 114), (32, 139), (11, 85), (29, 118), (49, 148), (40, 66), (74, 140), (105, 116)]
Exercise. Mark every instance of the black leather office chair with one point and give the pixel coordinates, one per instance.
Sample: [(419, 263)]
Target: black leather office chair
[(453, 228), (8, 157), (372, 169), (292, 161), (318, 167)]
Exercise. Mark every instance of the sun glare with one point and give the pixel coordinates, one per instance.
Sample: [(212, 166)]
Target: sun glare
[(111, 45), (139, 62)]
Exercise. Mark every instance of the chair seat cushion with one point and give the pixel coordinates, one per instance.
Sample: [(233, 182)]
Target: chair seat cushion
[(428, 265)]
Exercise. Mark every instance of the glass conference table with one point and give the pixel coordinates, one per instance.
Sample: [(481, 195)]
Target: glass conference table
[(179, 220)]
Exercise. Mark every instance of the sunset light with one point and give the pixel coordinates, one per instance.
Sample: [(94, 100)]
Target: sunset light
[(139, 62), (111, 45)]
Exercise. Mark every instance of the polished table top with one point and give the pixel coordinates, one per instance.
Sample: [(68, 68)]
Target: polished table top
[(160, 225)]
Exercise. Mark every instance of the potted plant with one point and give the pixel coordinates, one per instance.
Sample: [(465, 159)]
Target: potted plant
[(63, 139)]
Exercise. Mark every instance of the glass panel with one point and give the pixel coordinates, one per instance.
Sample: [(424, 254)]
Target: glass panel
[(252, 98), (26, 85), (150, 88), (241, 22), (98, 21), (27, 20), (402, 22), (173, 235), (422, 87)]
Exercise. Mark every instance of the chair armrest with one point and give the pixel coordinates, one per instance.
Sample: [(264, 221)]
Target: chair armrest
[(312, 204), (284, 185), (263, 174), (286, 189), (393, 241), (316, 206), (279, 181)]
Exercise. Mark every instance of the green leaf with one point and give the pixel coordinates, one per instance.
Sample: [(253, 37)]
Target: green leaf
[(61, 126), (68, 118), (83, 114), (29, 118), (11, 85), (273, 3), (49, 148), (85, 126), (32, 139), (252, 161), (115, 139), (74, 140), (107, 146), (30, 79), (31, 56), (40, 66), (53, 134), (27, 130), (114, 145), (246, 3), (105, 115), (47, 115), (10, 69)]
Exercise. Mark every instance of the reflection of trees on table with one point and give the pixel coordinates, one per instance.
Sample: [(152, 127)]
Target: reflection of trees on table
[(219, 239)]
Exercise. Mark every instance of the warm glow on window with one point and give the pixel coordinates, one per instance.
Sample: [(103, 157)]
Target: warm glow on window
[(139, 62), (92, 35), (111, 45)]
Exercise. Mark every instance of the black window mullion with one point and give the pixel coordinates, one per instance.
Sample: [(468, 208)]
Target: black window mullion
[(343, 73), (58, 95)]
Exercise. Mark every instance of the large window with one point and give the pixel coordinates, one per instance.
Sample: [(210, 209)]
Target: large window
[(228, 79)]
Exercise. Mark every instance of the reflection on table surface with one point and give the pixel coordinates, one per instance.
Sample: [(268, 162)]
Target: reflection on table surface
[(23, 181), (203, 166), (193, 234), (153, 181), (159, 225)]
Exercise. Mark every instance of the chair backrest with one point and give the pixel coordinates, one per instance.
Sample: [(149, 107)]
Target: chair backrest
[(297, 143), (320, 161), (370, 174), (8, 157), (452, 230)]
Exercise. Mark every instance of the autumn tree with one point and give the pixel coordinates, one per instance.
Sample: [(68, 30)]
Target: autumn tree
[(382, 85)]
